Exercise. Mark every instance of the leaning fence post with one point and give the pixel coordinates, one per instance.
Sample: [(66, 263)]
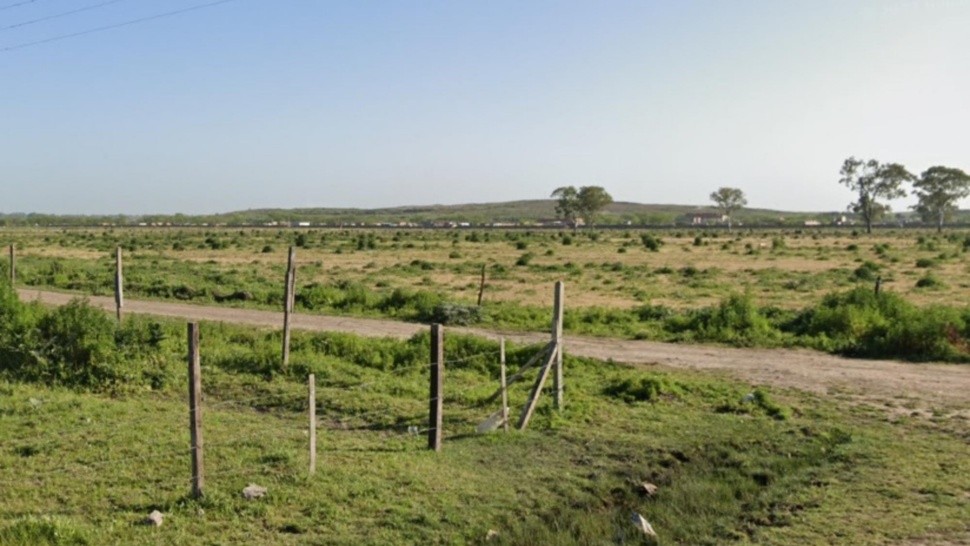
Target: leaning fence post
[(558, 300), (504, 385), (288, 302), (195, 409), (13, 265), (312, 387), (119, 283), (437, 372)]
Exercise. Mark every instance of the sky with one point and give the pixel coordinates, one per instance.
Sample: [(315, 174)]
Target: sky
[(314, 103)]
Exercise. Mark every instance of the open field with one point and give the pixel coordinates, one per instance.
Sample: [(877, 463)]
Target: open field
[(784, 268), (764, 288), (93, 424)]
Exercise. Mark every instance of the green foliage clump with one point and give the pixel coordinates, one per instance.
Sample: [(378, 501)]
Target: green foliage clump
[(455, 314), (859, 322), (930, 281), (735, 320), (868, 271), (646, 389), (651, 243)]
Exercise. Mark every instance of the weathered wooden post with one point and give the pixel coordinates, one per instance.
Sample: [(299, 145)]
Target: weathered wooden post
[(436, 392), (119, 283), (504, 384), (878, 283), (288, 301), (195, 409), (13, 265), (481, 287), (312, 387), (558, 300)]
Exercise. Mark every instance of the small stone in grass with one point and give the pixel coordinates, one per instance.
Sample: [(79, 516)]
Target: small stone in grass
[(253, 491)]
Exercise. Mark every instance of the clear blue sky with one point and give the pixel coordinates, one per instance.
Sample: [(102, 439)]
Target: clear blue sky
[(303, 103)]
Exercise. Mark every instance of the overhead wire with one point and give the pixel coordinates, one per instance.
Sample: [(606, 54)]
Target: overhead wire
[(62, 14), (17, 4), (113, 26)]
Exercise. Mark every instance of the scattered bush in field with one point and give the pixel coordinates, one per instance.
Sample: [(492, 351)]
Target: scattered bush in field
[(925, 262), (525, 259), (647, 389), (267, 249), (567, 240), (521, 245), (868, 271), (455, 314), (735, 320), (651, 243), (930, 281)]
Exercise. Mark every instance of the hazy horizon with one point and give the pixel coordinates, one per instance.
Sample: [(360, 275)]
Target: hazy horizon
[(251, 104)]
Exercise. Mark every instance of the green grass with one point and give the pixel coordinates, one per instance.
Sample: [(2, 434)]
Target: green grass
[(735, 464)]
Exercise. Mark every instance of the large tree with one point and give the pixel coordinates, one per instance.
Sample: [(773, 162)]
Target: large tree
[(728, 200), (938, 190), (585, 203), (592, 199), (873, 181), (567, 204)]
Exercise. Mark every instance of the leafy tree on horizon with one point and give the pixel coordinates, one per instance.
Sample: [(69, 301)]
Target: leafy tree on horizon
[(728, 200), (585, 203), (938, 190), (873, 181), (567, 206)]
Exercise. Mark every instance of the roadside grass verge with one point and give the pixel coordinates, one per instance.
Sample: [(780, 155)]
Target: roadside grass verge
[(734, 463)]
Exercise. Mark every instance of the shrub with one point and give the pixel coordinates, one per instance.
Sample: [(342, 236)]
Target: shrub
[(647, 389), (456, 314), (77, 347), (651, 243), (868, 271), (735, 320), (925, 262), (930, 281)]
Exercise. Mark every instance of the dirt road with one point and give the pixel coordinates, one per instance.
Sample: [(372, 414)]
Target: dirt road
[(927, 385)]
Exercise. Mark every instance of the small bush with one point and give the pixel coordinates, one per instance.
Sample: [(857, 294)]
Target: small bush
[(647, 389), (651, 243), (930, 281)]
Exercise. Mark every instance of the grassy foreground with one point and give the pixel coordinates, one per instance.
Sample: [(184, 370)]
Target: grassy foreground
[(734, 464)]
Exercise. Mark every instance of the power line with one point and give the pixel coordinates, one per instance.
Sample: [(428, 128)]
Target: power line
[(63, 14), (114, 26), (17, 4)]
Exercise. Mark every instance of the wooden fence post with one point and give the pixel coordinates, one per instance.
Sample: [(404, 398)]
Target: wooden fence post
[(504, 385), (195, 409), (288, 301), (13, 265), (481, 287), (312, 386), (119, 283), (558, 300), (436, 394)]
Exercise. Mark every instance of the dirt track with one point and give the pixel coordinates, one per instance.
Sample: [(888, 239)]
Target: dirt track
[(926, 385)]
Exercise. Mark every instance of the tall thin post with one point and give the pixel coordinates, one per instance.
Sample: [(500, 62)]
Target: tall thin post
[(13, 265), (195, 409), (288, 302), (119, 283), (504, 384), (558, 301), (481, 287), (436, 392), (312, 387)]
